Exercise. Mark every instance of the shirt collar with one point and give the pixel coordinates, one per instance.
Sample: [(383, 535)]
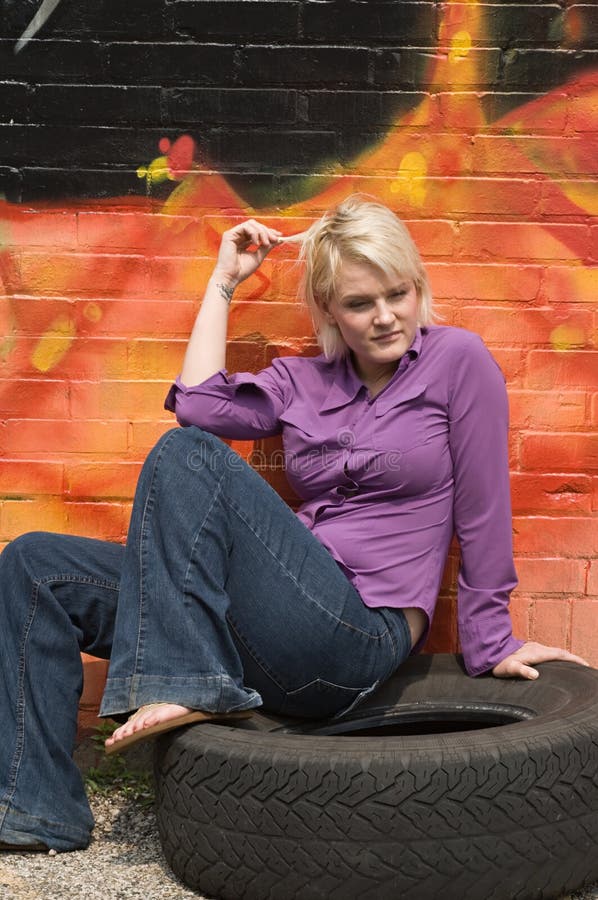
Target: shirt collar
[(346, 384)]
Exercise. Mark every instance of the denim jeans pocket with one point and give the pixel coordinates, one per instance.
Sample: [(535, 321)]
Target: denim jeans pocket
[(321, 699)]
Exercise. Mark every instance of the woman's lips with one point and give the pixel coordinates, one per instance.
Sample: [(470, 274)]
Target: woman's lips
[(383, 338)]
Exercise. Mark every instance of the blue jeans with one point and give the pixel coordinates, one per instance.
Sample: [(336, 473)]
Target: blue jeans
[(221, 600)]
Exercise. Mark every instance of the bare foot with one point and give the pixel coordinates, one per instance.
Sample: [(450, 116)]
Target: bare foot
[(146, 717)]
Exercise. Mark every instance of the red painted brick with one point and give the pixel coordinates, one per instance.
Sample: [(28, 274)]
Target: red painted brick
[(33, 514), (134, 318), (118, 399), (143, 436), (529, 327), (35, 228), (77, 274), (269, 321), (520, 609), (567, 197), (471, 197), (443, 633), (542, 493), (581, 110), (523, 154), (34, 315), (467, 281), (545, 409), (84, 358), (23, 397), (130, 231), (107, 521), (19, 437), (154, 359), (551, 622), (245, 356), (569, 284), (595, 492), (526, 241), (433, 238), (512, 364), (592, 579), (560, 452), (539, 535), (551, 576), (27, 476), (584, 625), (96, 479), (94, 680), (564, 369)]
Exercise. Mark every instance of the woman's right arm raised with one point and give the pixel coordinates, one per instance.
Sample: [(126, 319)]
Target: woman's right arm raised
[(242, 250)]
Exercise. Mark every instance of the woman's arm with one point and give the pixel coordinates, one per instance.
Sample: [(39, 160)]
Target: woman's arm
[(482, 515), (242, 250)]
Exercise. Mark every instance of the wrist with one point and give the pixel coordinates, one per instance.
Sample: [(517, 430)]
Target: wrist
[(220, 276)]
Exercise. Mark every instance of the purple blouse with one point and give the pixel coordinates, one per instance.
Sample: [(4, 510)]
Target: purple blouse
[(385, 481)]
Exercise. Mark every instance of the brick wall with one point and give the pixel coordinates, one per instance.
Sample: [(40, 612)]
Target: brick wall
[(133, 134)]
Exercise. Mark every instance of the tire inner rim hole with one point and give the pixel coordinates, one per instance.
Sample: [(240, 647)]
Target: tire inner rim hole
[(424, 719)]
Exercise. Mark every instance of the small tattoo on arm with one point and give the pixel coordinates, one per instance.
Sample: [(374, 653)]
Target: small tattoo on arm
[(225, 291)]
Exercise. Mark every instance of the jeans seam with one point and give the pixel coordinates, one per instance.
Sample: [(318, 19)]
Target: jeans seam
[(304, 593), (15, 766), (147, 508), (256, 658), (78, 579), (216, 493)]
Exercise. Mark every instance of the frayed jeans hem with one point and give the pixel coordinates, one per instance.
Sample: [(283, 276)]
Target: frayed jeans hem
[(20, 828)]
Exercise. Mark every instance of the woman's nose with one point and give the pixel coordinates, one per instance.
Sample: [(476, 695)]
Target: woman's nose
[(384, 314)]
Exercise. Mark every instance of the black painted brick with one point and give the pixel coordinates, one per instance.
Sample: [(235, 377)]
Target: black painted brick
[(352, 143), (50, 183), (235, 21), (538, 23), (64, 146), (111, 19), (60, 104), (14, 102), (274, 150), (11, 184), (171, 64), (122, 19), (54, 61), (228, 106), (529, 69), (331, 66), (364, 22), (395, 69), (359, 107)]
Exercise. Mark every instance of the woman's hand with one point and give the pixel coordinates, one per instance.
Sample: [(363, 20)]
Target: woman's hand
[(520, 664), (242, 250)]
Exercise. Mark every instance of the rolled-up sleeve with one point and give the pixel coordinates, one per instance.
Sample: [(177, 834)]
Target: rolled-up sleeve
[(478, 423), (241, 406)]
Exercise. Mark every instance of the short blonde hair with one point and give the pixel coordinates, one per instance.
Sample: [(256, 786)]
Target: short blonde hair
[(363, 231)]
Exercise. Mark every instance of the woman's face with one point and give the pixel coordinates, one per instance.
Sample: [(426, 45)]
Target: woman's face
[(376, 314)]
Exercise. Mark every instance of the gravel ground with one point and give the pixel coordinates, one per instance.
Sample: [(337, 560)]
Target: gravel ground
[(123, 862)]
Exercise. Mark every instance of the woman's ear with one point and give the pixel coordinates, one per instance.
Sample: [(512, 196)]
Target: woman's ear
[(324, 308)]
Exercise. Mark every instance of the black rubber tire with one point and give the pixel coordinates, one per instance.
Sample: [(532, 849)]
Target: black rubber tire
[(277, 809)]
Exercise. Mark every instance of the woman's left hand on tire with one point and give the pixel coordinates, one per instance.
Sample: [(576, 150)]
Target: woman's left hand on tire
[(521, 663)]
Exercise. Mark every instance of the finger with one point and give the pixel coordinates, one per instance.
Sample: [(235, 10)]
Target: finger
[(528, 672), (514, 668), (256, 233)]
